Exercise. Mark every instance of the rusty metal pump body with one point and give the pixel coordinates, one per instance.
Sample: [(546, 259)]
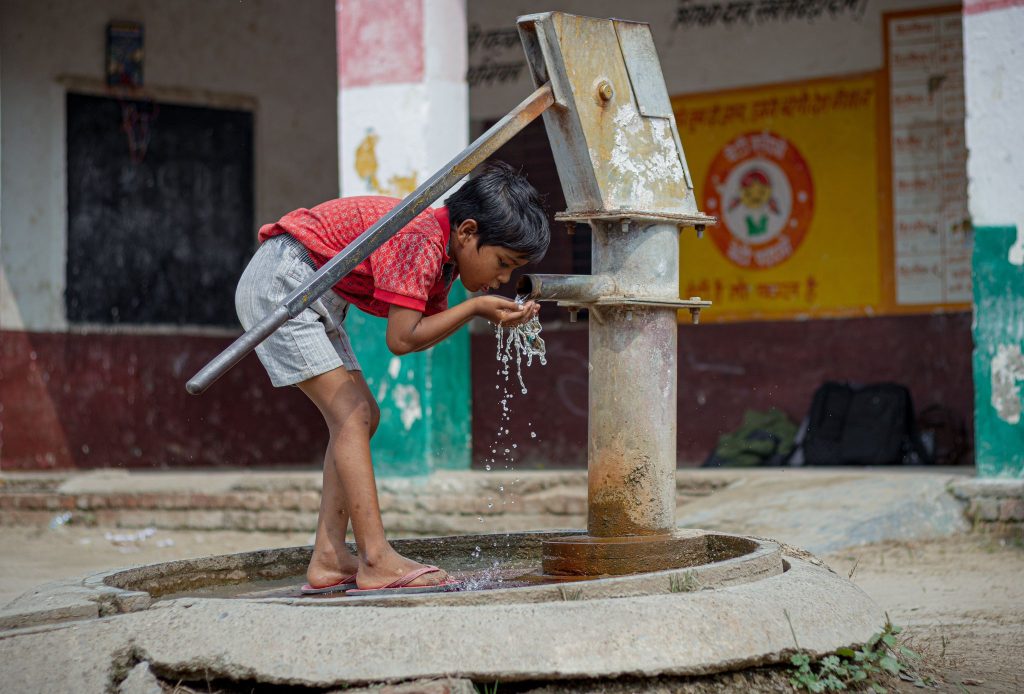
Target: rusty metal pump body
[(623, 171)]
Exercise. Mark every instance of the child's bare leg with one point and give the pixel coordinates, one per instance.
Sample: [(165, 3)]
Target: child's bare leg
[(349, 409), (332, 561)]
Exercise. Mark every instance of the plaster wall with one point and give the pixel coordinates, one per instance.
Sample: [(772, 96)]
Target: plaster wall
[(115, 397), (994, 90), (279, 56), (699, 58), (6, 300)]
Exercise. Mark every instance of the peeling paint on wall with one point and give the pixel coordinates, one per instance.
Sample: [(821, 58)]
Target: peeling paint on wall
[(1016, 254), (998, 354), (643, 177), (407, 400), (1007, 370), (366, 167)]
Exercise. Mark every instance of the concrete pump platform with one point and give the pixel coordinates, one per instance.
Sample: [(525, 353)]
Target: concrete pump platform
[(740, 604)]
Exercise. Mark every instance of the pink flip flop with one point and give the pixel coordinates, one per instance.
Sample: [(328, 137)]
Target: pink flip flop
[(343, 584), (402, 587)]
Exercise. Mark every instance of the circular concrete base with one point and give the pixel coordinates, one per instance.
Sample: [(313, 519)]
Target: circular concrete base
[(494, 569), (700, 619)]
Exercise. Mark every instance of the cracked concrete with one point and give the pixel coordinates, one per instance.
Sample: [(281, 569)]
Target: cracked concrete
[(677, 633), (140, 680)]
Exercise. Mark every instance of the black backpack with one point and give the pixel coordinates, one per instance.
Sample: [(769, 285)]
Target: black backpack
[(862, 425)]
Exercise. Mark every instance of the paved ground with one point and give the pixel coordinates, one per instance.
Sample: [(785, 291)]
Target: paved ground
[(32, 556), (960, 596), (823, 510)]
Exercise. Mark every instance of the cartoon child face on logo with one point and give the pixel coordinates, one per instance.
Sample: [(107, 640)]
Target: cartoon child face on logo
[(761, 189), (756, 191), (757, 210)]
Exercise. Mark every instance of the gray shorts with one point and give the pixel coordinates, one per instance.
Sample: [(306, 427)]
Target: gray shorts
[(308, 345)]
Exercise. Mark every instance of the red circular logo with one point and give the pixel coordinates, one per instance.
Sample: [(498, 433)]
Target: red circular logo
[(760, 188)]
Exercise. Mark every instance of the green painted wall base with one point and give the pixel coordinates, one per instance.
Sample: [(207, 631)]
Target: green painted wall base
[(998, 360), (425, 398)]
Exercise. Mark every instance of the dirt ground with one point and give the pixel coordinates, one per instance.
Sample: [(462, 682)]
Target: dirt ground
[(960, 599)]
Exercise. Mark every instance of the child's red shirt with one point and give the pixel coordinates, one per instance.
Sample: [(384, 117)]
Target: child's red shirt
[(407, 270)]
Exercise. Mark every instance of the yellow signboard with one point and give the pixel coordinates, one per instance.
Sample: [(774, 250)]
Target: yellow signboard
[(791, 171)]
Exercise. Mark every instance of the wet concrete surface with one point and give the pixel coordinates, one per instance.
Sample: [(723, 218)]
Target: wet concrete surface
[(290, 587)]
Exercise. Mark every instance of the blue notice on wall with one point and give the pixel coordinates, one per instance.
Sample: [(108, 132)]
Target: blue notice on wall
[(124, 54)]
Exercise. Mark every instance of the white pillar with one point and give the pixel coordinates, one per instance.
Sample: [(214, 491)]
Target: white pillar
[(994, 91)]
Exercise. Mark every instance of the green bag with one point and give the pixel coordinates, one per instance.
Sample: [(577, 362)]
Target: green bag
[(764, 438)]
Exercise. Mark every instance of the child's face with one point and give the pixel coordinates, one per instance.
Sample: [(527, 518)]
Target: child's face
[(755, 194), (482, 267)]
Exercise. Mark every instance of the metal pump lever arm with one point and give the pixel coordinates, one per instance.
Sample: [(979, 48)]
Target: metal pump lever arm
[(371, 239)]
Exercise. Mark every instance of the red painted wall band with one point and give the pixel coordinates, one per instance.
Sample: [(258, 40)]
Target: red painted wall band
[(982, 6), (380, 42)]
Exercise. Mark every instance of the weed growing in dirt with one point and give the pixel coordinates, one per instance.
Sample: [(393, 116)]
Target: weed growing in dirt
[(686, 583), (568, 594), (857, 669), (488, 688)]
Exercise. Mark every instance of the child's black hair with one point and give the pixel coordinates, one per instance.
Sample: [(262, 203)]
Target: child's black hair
[(507, 209)]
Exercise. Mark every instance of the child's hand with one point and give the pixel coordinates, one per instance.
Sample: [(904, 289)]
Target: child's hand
[(502, 311)]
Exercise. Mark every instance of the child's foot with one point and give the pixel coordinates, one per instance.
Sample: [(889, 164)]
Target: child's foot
[(328, 570), (380, 571)]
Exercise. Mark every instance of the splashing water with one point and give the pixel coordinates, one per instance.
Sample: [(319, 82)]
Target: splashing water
[(525, 339)]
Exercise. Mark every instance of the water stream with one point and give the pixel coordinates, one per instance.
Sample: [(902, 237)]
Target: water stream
[(514, 344)]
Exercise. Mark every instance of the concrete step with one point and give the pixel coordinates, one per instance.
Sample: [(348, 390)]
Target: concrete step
[(443, 503), (789, 504)]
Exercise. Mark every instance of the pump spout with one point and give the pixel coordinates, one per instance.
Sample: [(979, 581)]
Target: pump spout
[(582, 289)]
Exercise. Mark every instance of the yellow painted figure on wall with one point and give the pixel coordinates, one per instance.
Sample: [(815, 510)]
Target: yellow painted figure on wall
[(366, 160), (367, 166)]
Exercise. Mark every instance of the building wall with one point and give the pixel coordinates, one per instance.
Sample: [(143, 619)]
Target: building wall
[(277, 59), (755, 362), (993, 64), (698, 54)]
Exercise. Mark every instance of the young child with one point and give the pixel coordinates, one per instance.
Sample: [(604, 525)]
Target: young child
[(490, 226)]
